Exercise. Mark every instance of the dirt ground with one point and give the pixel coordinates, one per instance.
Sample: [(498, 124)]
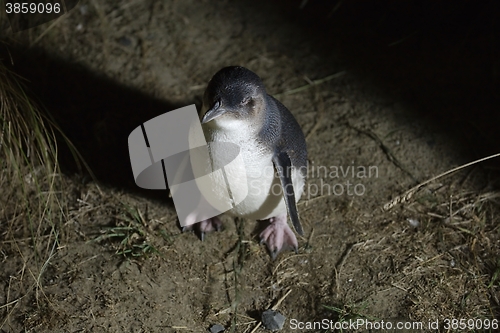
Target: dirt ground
[(413, 98)]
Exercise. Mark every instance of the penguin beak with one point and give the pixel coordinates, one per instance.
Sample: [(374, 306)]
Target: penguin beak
[(213, 113)]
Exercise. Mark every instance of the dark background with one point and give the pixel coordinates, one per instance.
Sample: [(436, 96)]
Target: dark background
[(443, 57)]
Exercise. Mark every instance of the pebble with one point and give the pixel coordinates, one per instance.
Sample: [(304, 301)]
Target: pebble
[(273, 320), (217, 328)]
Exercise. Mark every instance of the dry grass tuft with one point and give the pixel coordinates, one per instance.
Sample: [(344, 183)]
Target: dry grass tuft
[(32, 214), (446, 250)]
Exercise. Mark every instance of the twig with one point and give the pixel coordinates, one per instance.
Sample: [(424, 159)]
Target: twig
[(408, 194), (48, 29), (313, 83), (342, 260), (287, 258), (386, 150), (278, 303), (240, 250)]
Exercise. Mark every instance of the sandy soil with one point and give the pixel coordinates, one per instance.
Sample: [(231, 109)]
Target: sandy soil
[(415, 100)]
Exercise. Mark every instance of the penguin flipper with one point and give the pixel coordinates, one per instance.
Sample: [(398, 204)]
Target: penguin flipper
[(283, 165)]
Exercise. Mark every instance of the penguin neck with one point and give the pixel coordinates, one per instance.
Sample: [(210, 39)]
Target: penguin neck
[(229, 130), (237, 130)]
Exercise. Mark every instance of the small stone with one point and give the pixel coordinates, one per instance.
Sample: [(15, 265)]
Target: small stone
[(217, 328), (413, 222), (273, 320)]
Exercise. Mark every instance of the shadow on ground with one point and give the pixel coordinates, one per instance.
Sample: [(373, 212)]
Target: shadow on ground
[(94, 112)]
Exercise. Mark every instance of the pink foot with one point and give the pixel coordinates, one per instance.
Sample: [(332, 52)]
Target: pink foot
[(212, 224), (278, 236)]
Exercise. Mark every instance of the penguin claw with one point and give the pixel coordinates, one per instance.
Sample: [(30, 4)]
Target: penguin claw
[(278, 236), (204, 227), (274, 253)]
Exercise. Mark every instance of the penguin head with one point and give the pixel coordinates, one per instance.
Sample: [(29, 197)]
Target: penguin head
[(234, 94)]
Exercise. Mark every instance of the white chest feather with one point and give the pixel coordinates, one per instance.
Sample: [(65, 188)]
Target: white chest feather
[(256, 183)]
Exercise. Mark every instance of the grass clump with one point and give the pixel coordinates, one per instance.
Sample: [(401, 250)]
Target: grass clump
[(32, 215), (129, 234)]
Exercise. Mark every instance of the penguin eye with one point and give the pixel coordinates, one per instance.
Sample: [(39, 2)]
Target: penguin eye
[(246, 100)]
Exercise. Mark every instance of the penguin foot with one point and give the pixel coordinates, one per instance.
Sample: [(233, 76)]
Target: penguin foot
[(205, 226), (278, 236)]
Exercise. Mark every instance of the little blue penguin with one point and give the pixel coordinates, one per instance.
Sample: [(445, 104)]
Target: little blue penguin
[(237, 109)]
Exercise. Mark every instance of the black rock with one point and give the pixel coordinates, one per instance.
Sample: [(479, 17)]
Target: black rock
[(273, 320), (217, 328)]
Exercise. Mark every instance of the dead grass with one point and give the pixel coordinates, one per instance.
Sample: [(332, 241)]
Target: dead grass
[(445, 250), (32, 215)]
